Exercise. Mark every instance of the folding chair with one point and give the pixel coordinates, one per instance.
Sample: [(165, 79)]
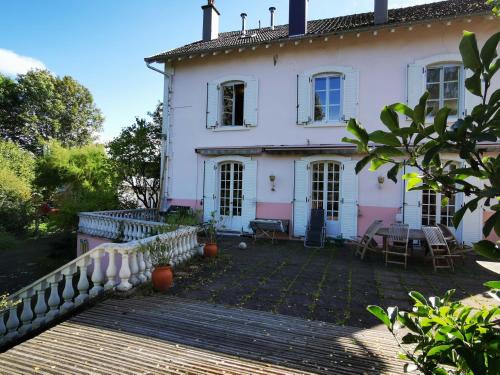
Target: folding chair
[(456, 248), (438, 247), (366, 242), (316, 230), (398, 244)]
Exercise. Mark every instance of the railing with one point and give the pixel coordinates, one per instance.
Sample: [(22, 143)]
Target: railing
[(110, 266), (125, 225)]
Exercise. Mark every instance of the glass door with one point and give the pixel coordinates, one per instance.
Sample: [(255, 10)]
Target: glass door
[(325, 193), (230, 195)]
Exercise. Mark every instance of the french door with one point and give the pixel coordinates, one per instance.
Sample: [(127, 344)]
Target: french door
[(230, 195), (325, 193), (435, 212)]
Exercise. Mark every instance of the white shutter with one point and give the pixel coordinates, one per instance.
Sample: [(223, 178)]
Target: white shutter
[(350, 95), (249, 205), (415, 84), (470, 100), (349, 200), (300, 214), (472, 222), (212, 105), (304, 94), (251, 103), (412, 205), (209, 189)]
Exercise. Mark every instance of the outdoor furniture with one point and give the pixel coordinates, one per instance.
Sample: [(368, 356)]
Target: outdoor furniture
[(316, 230), (367, 243), (267, 228), (456, 248), (398, 244), (413, 235), (438, 247)]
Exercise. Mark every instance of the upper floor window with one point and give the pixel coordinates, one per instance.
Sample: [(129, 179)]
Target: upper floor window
[(327, 98), (443, 84), (233, 102)]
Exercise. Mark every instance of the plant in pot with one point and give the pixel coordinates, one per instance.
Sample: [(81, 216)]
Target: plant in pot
[(160, 254), (211, 248)]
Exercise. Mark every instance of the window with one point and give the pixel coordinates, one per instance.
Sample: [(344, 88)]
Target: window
[(326, 188), (327, 98), (443, 84), (433, 209), (233, 97)]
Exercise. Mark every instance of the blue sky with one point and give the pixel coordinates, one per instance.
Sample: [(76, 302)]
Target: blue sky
[(102, 43)]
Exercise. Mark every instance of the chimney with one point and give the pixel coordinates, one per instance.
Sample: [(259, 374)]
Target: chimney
[(381, 12), (210, 21), (298, 17), (243, 24), (272, 10)]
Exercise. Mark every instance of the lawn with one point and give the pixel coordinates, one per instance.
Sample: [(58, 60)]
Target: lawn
[(320, 284)]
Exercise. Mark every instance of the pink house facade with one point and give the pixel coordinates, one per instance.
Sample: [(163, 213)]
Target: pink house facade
[(255, 118)]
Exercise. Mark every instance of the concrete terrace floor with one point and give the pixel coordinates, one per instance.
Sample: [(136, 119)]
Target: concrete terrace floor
[(330, 284)]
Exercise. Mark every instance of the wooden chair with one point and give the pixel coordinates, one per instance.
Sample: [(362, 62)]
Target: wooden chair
[(398, 244), (366, 242), (456, 248), (438, 247), (316, 230)]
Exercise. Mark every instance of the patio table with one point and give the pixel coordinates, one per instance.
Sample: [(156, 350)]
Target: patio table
[(414, 235)]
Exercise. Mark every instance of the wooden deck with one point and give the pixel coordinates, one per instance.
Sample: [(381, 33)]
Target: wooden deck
[(161, 334)]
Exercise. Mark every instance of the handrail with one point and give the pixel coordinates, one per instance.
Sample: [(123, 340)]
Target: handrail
[(108, 267)]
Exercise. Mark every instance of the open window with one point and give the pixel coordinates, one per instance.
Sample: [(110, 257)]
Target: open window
[(233, 103)]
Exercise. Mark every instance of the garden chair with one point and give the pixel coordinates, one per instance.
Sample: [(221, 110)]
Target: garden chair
[(366, 242), (456, 248), (316, 230), (438, 247), (398, 244)]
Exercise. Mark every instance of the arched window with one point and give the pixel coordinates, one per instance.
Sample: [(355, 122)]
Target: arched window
[(327, 98), (233, 103)]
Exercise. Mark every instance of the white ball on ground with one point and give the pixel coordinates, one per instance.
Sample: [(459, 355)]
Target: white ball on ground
[(242, 245)]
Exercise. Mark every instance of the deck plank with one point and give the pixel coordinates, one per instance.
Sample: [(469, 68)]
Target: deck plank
[(164, 334)]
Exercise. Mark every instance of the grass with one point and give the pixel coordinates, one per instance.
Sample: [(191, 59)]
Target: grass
[(316, 295), (8, 241), (347, 310)]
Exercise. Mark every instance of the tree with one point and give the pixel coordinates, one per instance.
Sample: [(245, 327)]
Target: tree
[(136, 154), (38, 107), (419, 145)]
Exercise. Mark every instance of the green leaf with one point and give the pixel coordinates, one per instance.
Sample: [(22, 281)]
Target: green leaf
[(492, 284), (390, 118), (403, 109), (431, 153), (417, 297), (436, 350), (487, 249), (376, 164), (491, 223), (440, 371), (473, 84), (419, 111), (389, 151), (358, 131), (393, 173), (363, 162), (441, 120), (380, 314), (489, 50), (469, 51), (384, 138)]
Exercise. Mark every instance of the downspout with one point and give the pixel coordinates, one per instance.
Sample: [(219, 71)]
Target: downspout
[(165, 155)]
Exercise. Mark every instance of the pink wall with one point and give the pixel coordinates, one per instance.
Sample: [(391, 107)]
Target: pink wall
[(493, 236), (367, 214), (274, 210), (93, 242)]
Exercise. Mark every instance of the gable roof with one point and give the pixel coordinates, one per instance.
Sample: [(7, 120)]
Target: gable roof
[(415, 14)]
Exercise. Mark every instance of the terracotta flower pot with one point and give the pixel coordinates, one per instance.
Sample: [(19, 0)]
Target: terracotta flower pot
[(162, 278), (210, 250)]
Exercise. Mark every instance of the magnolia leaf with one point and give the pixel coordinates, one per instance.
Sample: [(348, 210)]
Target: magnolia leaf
[(388, 151), (393, 172), (492, 284), (403, 109), (470, 52), (376, 164), (441, 120), (379, 312), (358, 131), (410, 367), (417, 297), (492, 222), (489, 50), (412, 182), (473, 84), (487, 249), (384, 138), (363, 162), (390, 118), (436, 350)]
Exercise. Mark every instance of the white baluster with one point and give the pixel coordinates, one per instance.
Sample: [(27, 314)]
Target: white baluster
[(40, 307), (97, 274), (124, 273), (147, 260), (111, 270), (134, 268), (126, 231), (68, 291), (54, 299), (3, 329), (12, 323), (83, 284), (26, 314), (142, 267)]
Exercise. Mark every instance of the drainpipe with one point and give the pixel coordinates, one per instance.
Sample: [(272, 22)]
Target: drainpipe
[(165, 155)]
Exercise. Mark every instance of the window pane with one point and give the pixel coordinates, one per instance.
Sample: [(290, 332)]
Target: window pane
[(453, 105), (334, 97), (334, 83), (334, 112), (451, 73), (238, 105), (319, 113), (433, 105), (320, 98), (320, 83), (433, 75), (451, 90), (433, 90)]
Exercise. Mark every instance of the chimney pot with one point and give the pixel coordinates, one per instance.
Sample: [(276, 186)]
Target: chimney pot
[(244, 24), (272, 10), (298, 17), (210, 21), (381, 12)]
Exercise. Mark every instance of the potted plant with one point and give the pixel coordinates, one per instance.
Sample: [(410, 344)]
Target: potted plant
[(161, 257), (211, 248)]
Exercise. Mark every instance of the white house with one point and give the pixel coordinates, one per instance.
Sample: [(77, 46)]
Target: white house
[(255, 118)]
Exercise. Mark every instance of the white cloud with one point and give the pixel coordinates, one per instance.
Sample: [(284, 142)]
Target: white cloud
[(12, 64)]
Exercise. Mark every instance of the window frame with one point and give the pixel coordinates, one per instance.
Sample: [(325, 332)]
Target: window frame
[(221, 104), (442, 99), (327, 120)]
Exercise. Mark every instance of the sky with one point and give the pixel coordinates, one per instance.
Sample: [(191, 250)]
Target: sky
[(102, 43)]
